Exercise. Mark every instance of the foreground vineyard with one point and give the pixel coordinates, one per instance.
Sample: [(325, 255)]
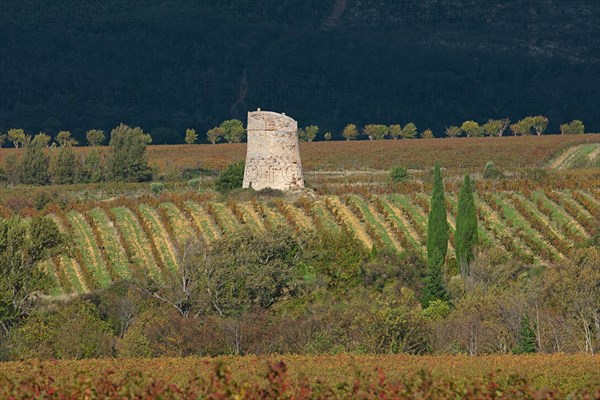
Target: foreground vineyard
[(116, 241), (306, 377)]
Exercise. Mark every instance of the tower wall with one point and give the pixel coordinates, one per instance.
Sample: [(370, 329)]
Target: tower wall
[(273, 152)]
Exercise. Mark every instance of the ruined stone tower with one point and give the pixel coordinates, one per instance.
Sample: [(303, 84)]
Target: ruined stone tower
[(273, 153)]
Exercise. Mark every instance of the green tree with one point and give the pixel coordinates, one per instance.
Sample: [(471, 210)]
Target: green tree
[(128, 160), (427, 134), (395, 131), (466, 236), (308, 134), (453, 131), (350, 132), (496, 127), (191, 136), (23, 247), (35, 163), (215, 134), (17, 136), (539, 124), (93, 170), (64, 139), (471, 129), (409, 131), (437, 242), (527, 341), (574, 127), (231, 177), (13, 169), (523, 127), (233, 130), (376, 132), (44, 139), (95, 137), (327, 136), (64, 167)]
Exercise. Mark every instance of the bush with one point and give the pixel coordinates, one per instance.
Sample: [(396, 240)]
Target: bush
[(194, 183), (157, 188), (398, 174), (231, 177), (491, 171)]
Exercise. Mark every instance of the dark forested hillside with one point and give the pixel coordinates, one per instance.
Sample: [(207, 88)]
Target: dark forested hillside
[(170, 65)]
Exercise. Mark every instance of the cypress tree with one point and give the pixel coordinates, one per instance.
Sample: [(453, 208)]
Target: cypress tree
[(437, 242), (466, 236)]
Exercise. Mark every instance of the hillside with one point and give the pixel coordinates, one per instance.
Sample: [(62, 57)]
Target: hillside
[(124, 238), (168, 66)]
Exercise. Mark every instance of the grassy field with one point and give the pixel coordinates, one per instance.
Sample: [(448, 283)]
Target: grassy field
[(118, 239), (338, 375)]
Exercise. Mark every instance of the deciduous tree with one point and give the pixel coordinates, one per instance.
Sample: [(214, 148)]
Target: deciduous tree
[(395, 131), (539, 124), (574, 127), (64, 138), (471, 129), (453, 131), (523, 127), (215, 134), (95, 137), (233, 130), (409, 131), (376, 132), (23, 247), (17, 136), (350, 132), (128, 159), (191, 136)]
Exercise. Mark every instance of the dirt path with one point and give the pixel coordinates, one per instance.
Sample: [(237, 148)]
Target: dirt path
[(558, 162)]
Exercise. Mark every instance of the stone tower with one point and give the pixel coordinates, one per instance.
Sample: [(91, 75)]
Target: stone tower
[(273, 153)]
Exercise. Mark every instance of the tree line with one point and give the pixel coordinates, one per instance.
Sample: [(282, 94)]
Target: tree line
[(45, 163), (233, 131)]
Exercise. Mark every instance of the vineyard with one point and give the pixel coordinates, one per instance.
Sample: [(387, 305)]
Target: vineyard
[(307, 377), (124, 238)]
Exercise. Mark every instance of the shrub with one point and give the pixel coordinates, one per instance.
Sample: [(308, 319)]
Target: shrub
[(398, 174), (194, 183), (231, 177), (491, 171), (157, 188)]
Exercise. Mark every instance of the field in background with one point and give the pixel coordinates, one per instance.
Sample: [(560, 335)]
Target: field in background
[(466, 153)]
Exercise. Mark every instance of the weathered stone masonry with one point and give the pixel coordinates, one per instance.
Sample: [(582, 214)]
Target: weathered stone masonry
[(273, 153)]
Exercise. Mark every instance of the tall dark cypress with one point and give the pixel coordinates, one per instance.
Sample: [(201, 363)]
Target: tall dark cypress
[(466, 236), (437, 242)]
